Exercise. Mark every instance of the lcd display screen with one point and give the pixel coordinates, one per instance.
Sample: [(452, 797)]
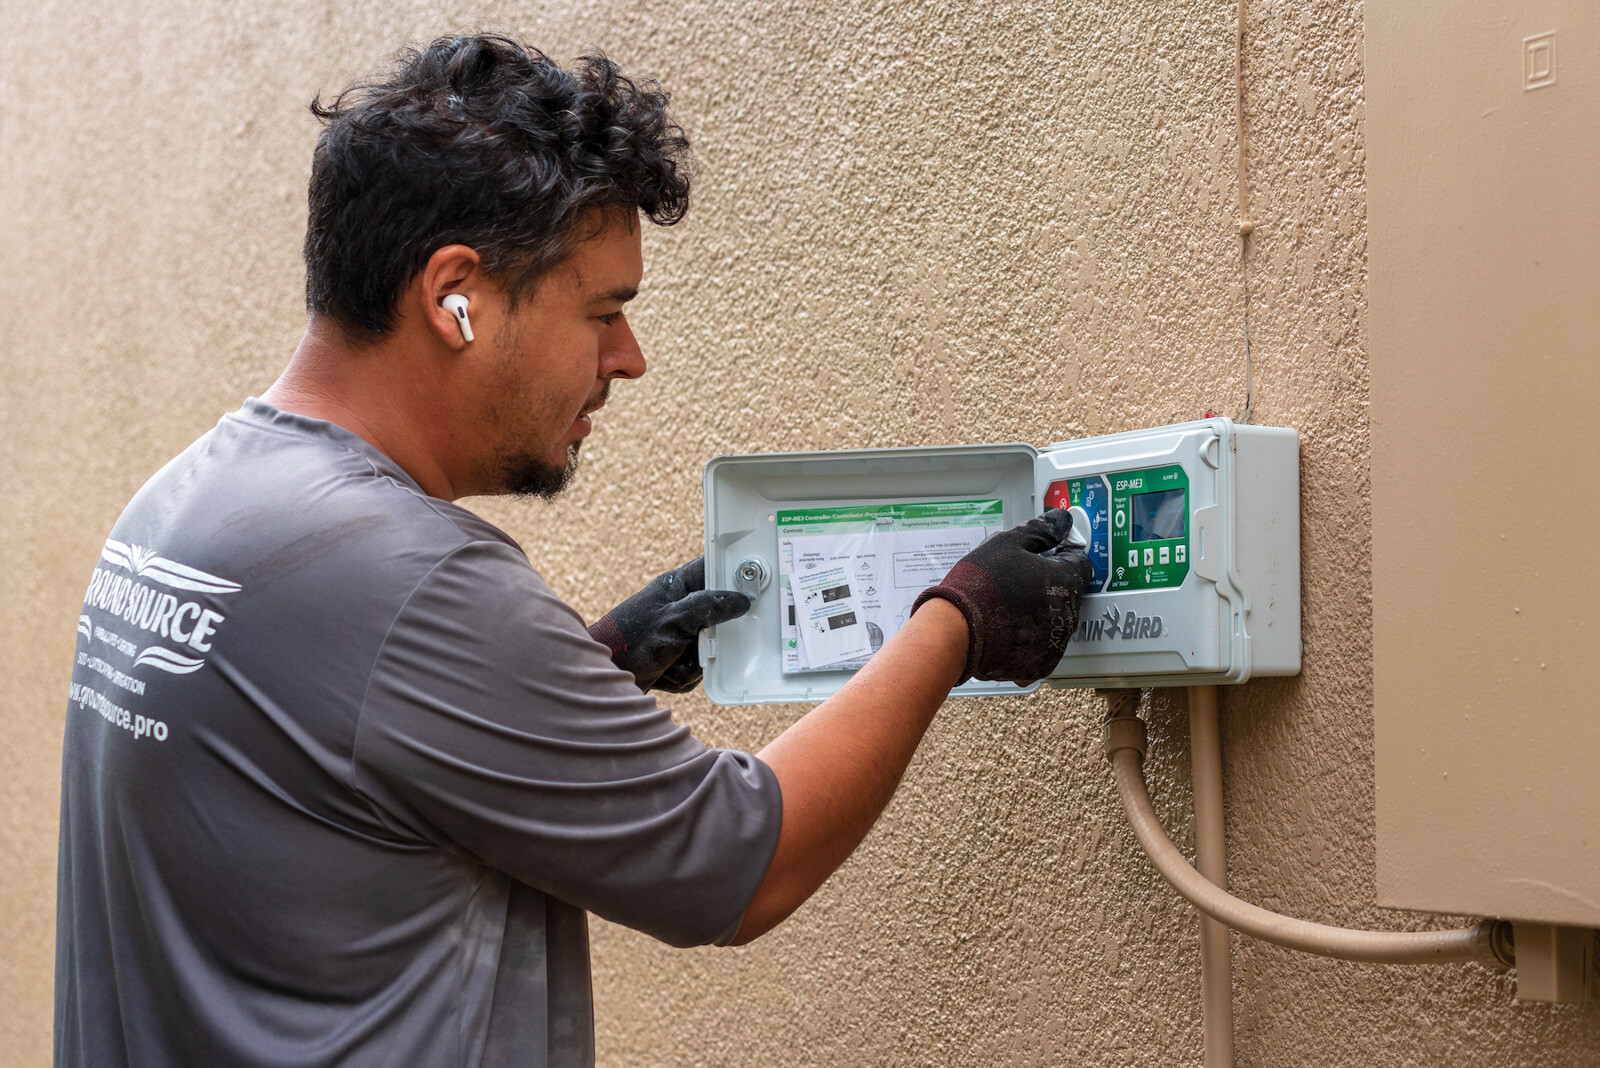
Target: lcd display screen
[(1159, 516)]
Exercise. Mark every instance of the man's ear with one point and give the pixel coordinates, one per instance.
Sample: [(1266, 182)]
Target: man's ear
[(458, 270)]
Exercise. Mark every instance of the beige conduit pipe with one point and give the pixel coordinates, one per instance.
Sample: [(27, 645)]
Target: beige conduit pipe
[(1211, 859), (1487, 943)]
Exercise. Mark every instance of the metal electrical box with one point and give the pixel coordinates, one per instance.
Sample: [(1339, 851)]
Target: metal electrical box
[(1193, 532), (1483, 179)]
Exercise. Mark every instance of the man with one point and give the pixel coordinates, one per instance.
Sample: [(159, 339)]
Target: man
[(342, 776)]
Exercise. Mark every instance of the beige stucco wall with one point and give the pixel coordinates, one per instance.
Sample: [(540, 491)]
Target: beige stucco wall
[(916, 224)]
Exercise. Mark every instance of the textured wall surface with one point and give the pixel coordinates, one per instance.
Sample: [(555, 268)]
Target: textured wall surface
[(916, 224)]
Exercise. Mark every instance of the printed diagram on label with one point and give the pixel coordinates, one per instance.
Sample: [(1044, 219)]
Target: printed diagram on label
[(828, 617), (848, 576)]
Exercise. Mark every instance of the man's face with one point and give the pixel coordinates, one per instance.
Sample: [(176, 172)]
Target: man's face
[(553, 358)]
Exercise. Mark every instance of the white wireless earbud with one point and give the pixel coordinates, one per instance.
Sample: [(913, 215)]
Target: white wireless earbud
[(456, 305)]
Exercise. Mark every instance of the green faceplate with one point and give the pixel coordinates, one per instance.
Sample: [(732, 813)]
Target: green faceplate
[(1151, 524)]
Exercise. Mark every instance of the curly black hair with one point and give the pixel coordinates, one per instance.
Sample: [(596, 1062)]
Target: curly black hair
[(481, 141)]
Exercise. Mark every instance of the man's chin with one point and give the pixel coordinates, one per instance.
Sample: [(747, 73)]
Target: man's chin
[(528, 477)]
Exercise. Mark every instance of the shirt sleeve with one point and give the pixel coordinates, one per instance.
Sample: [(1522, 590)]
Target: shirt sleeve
[(496, 728)]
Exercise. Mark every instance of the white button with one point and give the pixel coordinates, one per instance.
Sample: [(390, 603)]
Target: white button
[(1133, 557), (1180, 553), (1149, 557), (1078, 536), (1162, 555)]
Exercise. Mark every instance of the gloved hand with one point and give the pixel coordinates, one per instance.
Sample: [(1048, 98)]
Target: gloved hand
[(1019, 591), (652, 635)]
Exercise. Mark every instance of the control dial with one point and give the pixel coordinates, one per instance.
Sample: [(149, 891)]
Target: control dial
[(1088, 499)]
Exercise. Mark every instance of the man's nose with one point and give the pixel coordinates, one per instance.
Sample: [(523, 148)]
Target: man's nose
[(621, 356)]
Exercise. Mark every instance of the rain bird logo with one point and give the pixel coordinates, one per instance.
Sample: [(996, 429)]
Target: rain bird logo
[(1113, 623)]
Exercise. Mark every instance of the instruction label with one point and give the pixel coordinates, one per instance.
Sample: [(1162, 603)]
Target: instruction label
[(849, 576)]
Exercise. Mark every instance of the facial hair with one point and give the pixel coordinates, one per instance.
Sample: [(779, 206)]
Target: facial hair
[(516, 470), (524, 475), (528, 476)]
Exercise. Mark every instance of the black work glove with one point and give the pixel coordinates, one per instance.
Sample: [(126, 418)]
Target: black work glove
[(1019, 591), (652, 635)]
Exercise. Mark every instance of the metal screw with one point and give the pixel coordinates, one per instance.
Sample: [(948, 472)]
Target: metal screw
[(751, 576)]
